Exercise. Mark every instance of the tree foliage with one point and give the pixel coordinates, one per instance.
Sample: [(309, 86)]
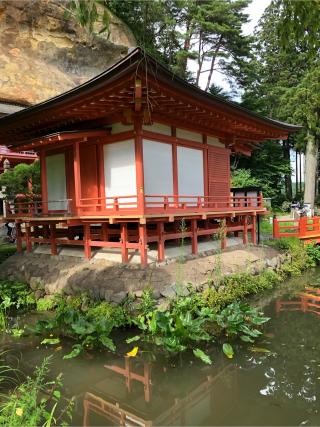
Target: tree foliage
[(243, 178), (207, 32), (22, 179)]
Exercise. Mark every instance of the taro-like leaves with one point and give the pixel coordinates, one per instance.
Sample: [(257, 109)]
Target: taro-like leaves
[(50, 341), (202, 356), (133, 339), (76, 350), (246, 338), (228, 350), (82, 327), (107, 342)]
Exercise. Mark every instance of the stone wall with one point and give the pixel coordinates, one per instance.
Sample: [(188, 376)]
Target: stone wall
[(103, 280)]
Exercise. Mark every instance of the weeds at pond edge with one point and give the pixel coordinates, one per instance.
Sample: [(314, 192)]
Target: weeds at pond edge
[(35, 401), (188, 322)]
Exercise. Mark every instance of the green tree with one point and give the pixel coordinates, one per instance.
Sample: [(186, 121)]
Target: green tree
[(267, 165), (271, 75), (22, 179), (207, 31), (243, 178), (303, 102)]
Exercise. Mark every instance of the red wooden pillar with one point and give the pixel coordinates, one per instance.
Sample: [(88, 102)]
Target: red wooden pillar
[(53, 241), (175, 173), (18, 237), (194, 236), (87, 238), (104, 230), (245, 230), (254, 230), (124, 240), (44, 188), (77, 177), (160, 229), (139, 165), (28, 238), (205, 166), (102, 190), (143, 244)]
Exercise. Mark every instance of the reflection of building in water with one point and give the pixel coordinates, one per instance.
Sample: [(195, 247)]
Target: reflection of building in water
[(122, 402), (307, 301)]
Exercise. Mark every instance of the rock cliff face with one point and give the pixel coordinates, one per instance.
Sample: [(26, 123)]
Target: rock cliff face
[(43, 54)]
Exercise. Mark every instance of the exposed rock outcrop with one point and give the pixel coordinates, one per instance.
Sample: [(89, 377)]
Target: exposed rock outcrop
[(43, 54)]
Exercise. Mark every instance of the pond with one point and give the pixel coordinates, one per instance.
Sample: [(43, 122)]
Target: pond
[(276, 381)]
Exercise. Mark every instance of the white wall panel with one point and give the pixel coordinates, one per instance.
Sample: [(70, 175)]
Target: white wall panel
[(120, 170), (119, 127), (158, 174), (56, 182), (212, 140), (158, 128), (191, 136), (190, 171)]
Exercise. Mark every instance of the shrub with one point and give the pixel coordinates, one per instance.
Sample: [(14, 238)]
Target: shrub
[(35, 401)]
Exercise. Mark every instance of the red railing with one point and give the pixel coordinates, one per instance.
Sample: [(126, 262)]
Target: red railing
[(303, 228), (133, 204)]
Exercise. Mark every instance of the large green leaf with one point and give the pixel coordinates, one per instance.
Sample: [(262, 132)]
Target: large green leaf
[(202, 356), (228, 350), (107, 342), (77, 349), (50, 341)]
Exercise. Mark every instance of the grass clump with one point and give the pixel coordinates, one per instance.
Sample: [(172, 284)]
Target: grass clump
[(6, 250), (36, 401)]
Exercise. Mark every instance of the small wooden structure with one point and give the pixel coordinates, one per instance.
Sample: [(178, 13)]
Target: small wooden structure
[(129, 154), (305, 228)]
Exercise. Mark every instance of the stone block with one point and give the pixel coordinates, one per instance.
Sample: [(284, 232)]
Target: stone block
[(119, 297), (168, 291)]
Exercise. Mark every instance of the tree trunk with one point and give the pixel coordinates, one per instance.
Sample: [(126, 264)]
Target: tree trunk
[(200, 60), (287, 178), (311, 160), (182, 62), (213, 60), (297, 175)]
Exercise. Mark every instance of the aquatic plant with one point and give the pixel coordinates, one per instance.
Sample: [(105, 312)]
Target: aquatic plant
[(16, 295), (35, 401), (90, 325)]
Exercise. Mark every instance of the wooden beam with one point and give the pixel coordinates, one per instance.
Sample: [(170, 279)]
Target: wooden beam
[(137, 96)]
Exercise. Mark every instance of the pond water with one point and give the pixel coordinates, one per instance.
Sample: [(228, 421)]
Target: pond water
[(276, 382)]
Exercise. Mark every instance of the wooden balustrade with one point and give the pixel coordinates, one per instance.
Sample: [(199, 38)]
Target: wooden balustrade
[(305, 228), (129, 204)]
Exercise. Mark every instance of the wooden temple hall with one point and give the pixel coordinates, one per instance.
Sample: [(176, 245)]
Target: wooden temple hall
[(129, 154)]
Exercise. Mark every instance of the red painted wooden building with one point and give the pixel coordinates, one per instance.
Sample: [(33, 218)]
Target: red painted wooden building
[(127, 155)]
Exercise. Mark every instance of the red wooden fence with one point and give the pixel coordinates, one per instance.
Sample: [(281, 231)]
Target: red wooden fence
[(305, 228)]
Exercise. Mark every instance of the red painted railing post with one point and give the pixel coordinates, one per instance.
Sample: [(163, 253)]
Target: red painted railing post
[(165, 202), (276, 228)]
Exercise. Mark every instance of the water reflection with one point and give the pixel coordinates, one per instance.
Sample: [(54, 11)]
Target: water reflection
[(145, 394), (307, 301)]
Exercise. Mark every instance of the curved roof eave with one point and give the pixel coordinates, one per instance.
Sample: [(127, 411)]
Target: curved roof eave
[(124, 66)]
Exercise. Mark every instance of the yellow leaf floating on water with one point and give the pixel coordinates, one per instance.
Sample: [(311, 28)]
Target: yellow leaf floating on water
[(19, 412), (133, 352)]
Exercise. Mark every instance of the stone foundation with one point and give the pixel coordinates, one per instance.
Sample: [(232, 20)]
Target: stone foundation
[(48, 275)]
